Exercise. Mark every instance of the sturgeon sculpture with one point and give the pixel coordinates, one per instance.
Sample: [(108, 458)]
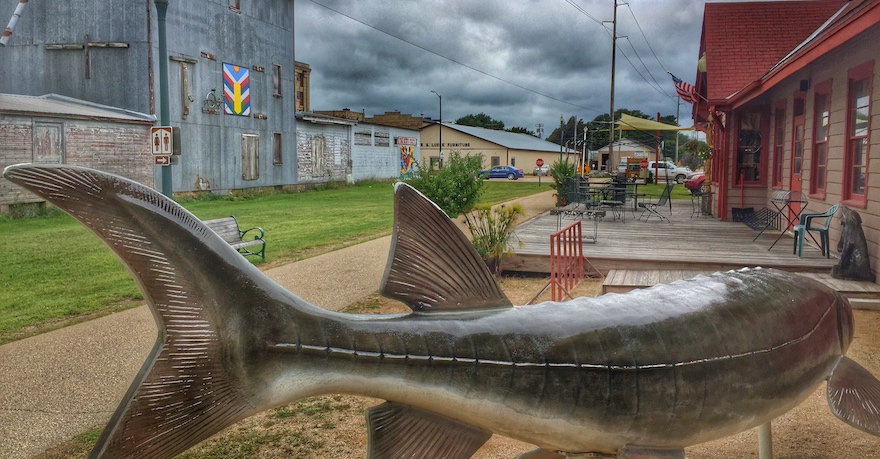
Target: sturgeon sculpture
[(651, 371)]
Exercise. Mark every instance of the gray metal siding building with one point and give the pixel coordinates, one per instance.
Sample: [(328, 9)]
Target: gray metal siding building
[(106, 51)]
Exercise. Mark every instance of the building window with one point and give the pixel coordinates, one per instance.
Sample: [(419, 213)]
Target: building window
[(496, 161), (48, 142), (250, 156), (821, 125), (363, 137), (779, 143), (749, 147), (383, 139), (276, 80), (277, 151), (855, 163), (797, 140)]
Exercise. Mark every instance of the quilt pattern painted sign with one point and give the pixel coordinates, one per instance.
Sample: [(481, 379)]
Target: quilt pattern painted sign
[(236, 90)]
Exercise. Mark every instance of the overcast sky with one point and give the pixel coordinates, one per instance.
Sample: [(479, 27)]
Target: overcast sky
[(524, 62)]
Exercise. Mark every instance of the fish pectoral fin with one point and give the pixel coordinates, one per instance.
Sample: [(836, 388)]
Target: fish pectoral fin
[(854, 396), (647, 452), (539, 453), (398, 430), (432, 266)]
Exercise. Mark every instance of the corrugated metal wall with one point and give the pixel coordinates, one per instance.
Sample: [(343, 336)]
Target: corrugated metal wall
[(202, 35)]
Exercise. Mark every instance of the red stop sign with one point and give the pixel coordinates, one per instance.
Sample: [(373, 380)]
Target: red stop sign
[(540, 162), (644, 164)]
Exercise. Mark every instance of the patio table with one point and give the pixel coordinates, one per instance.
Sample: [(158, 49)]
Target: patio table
[(575, 210), (784, 202)]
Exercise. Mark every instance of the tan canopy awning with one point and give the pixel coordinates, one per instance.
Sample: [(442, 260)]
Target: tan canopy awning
[(632, 123)]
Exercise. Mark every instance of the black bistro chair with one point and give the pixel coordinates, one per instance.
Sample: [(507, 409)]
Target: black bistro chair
[(650, 209)]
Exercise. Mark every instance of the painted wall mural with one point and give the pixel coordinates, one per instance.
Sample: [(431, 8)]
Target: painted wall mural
[(236, 90), (407, 156)]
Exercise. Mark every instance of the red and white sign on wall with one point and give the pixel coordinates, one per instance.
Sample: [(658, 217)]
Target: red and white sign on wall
[(161, 144), (406, 141), (160, 140)]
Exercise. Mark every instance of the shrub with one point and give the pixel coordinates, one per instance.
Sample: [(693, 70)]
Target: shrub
[(563, 172), (455, 188), (491, 229)]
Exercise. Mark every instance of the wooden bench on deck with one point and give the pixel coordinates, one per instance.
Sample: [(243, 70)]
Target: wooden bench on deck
[(228, 229)]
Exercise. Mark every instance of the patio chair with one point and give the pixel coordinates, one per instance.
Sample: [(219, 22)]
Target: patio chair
[(697, 202), (616, 202), (806, 224), (649, 209)]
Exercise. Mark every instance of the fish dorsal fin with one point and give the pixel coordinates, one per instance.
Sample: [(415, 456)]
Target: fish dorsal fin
[(432, 266), (397, 430), (854, 396)]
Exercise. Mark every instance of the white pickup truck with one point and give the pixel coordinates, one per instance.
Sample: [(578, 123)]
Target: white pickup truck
[(668, 170)]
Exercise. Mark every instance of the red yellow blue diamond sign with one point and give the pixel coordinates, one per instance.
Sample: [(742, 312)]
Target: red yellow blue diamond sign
[(236, 90)]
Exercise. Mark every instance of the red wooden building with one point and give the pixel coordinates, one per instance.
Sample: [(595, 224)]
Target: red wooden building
[(788, 100)]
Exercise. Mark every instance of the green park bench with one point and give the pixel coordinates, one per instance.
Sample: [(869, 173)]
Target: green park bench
[(228, 229)]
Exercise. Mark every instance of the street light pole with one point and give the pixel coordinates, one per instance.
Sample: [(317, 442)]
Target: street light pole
[(561, 138), (164, 109), (440, 147), (584, 156)]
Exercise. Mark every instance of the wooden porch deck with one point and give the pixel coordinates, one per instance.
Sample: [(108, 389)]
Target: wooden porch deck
[(638, 254), (698, 243)]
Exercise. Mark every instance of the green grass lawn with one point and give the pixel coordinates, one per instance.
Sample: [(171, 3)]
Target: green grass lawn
[(654, 190), (56, 272)]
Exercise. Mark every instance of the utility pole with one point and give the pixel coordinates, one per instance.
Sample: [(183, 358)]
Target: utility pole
[(613, 58), (164, 109), (677, 123), (561, 137), (440, 148)]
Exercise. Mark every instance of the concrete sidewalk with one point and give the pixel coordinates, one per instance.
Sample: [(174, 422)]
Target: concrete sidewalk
[(59, 384)]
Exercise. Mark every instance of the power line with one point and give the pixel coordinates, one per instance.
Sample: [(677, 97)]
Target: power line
[(646, 38), (656, 86), (584, 12), (453, 60), (648, 42)]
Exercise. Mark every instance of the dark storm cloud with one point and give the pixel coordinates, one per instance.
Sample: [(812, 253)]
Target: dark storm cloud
[(523, 62)]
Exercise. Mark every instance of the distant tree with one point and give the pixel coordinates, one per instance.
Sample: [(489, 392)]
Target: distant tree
[(521, 130), (573, 134), (598, 137), (455, 188), (481, 120)]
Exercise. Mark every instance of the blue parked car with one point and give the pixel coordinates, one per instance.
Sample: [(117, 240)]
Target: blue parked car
[(508, 172)]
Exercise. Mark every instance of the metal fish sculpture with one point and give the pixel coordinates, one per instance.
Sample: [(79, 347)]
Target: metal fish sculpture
[(650, 371)]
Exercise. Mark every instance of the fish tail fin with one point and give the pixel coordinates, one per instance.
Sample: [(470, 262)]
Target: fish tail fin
[(190, 387), (854, 396)]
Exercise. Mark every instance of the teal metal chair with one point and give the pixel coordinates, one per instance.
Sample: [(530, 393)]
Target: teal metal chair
[(817, 222)]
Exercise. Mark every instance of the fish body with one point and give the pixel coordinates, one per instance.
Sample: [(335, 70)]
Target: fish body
[(593, 374), (660, 368)]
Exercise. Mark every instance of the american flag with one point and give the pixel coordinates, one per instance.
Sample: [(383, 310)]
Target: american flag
[(686, 91)]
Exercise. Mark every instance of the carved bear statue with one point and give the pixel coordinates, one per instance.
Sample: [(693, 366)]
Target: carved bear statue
[(853, 247)]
